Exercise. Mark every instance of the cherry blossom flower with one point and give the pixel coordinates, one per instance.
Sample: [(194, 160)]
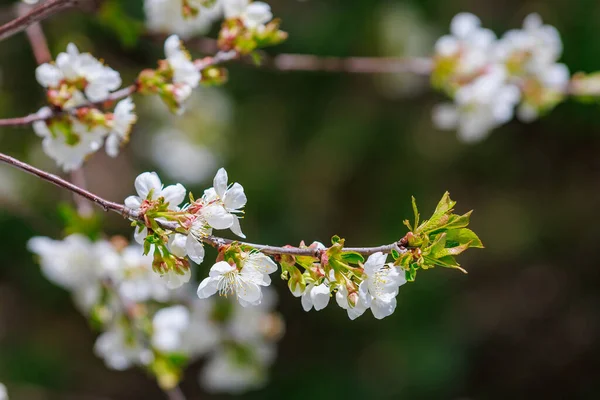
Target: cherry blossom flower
[(254, 14), (120, 350), (316, 296), (79, 69), (168, 326), (165, 16), (245, 283), (222, 203)]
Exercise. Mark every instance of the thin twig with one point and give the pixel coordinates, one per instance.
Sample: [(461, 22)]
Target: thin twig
[(39, 13), (211, 240), (309, 62), (36, 37)]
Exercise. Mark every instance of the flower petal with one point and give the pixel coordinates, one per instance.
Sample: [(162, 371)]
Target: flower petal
[(174, 195), (208, 287), (234, 197), (146, 182), (217, 216), (320, 296), (381, 309), (236, 228), (194, 249), (220, 182)]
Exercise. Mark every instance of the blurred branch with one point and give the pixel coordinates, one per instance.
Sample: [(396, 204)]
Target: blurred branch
[(39, 13), (174, 226), (219, 58), (36, 37), (309, 62)]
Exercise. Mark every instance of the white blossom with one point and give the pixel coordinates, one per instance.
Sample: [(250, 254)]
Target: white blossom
[(165, 16), (72, 66), (222, 203), (149, 187), (245, 283), (202, 334), (224, 372), (254, 14), (136, 282), (71, 149), (469, 43), (123, 119), (121, 350), (479, 107), (184, 71), (168, 327), (383, 282)]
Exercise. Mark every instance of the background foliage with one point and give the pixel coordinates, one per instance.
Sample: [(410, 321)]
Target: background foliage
[(322, 153)]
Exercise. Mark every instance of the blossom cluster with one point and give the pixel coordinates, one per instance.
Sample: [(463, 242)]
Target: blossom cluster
[(489, 77), (74, 83), (173, 232), (144, 323)]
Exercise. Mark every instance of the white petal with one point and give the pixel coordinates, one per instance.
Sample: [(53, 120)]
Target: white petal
[(382, 309), (133, 202), (113, 144), (139, 236), (217, 217), (306, 300), (235, 198), (172, 46), (236, 228), (208, 287), (194, 249), (220, 182), (463, 24), (48, 75), (174, 195), (146, 182), (375, 262), (177, 244), (320, 296), (249, 292), (220, 268)]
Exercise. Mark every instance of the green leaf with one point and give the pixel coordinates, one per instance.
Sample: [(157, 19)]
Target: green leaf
[(457, 237), (441, 215), (353, 257), (438, 245), (395, 254), (415, 211), (446, 262), (335, 239)]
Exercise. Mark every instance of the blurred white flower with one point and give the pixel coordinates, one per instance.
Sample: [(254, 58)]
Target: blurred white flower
[(121, 350), (184, 71), (481, 106), (135, 280), (123, 119), (202, 334), (225, 372), (191, 162), (254, 14), (99, 80), (469, 44), (165, 16), (168, 326)]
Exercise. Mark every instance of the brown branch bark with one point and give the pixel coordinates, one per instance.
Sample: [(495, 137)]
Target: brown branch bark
[(211, 240), (37, 14)]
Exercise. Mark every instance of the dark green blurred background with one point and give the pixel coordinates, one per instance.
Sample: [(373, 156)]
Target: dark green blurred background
[(321, 154)]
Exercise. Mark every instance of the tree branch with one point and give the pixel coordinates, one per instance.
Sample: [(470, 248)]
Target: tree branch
[(211, 240), (39, 13)]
